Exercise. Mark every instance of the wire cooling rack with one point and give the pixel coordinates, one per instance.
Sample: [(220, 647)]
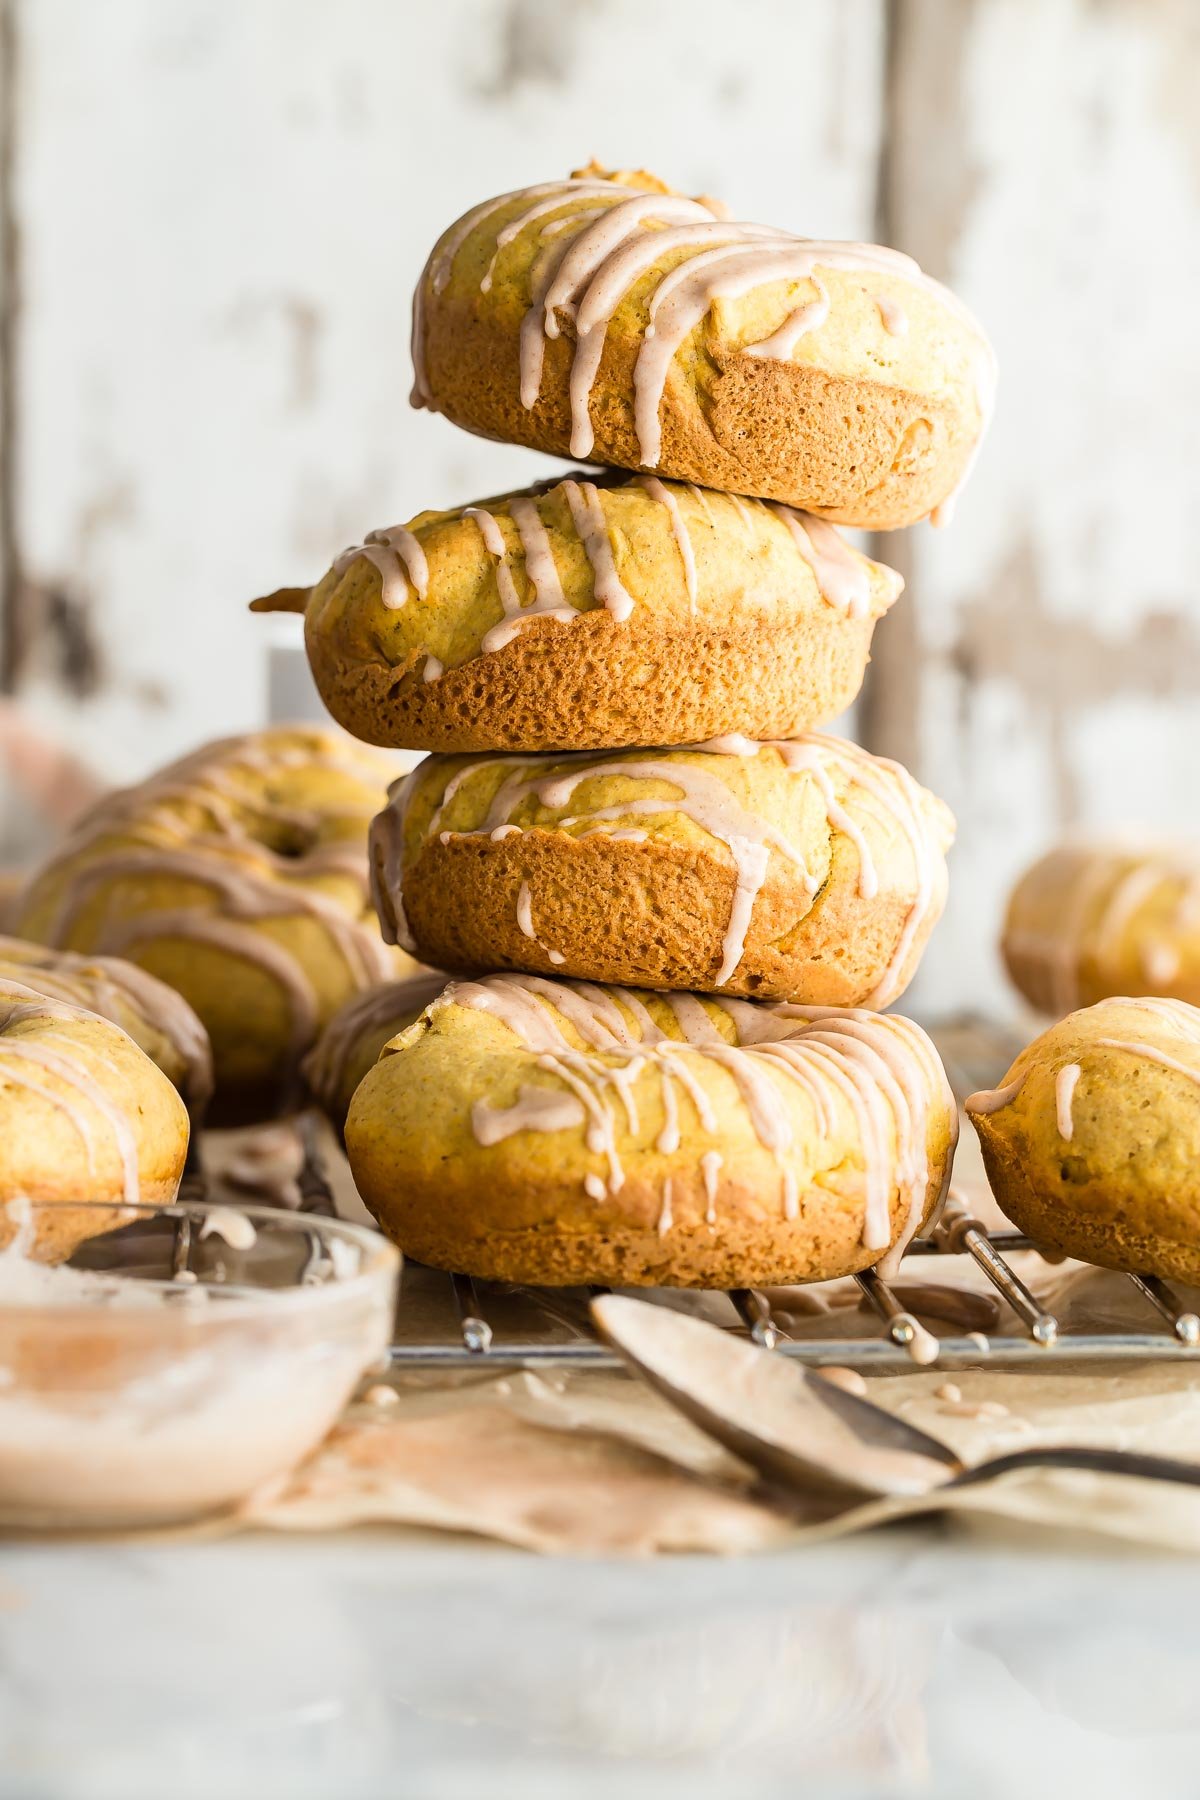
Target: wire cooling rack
[(448, 1321)]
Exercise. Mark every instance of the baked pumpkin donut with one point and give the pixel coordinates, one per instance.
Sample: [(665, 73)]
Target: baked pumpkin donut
[(238, 877), (84, 1116), (159, 1020), (1091, 920), (548, 1131), (1092, 1140), (804, 870), (588, 614), (351, 1042), (613, 320)]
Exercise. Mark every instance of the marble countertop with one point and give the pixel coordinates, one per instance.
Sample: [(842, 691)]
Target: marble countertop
[(376, 1663)]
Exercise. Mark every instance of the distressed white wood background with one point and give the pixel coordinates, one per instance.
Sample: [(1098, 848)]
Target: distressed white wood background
[(213, 216)]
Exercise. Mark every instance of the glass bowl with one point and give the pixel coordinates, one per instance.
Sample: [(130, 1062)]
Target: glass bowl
[(175, 1365)]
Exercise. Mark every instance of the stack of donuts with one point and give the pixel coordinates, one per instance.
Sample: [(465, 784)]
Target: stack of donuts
[(670, 907)]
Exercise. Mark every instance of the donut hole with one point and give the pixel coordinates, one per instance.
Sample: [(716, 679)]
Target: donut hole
[(293, 842)]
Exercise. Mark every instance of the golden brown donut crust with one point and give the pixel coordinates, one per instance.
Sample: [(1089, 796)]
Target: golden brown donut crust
[(517, 1210), (854, 423), (159, 1020), (351, 1042), (756, 648), (851, 450), (1092, 920), (1122, 1191), (57, 1139), (238, 878), (656, 913)]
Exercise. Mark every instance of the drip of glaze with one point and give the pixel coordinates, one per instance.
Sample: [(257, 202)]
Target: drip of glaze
[(994, 1100), (893, 315), (583, 498), (809, 316), (233, 1226), (535, 1109), (665, 497), (1153, 1054), (525, 923), (1064, 1092), (843, 578), (921, 1345), (399, 558), (711, 1164)]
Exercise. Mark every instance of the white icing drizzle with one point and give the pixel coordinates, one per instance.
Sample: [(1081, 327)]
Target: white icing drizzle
[(442, 261), (535, 1109), (893, 315), (588, 515), (525, 911), (711, 1164), (399, 558), (810, 315), (1065, 1083), (228, 1223), (994, 1100), (897, 796), (1152, 1053), (532, 214), (665, 497), (666, 1217), (921, 1345), (584, 277), (708, 803), (881, 1072), (539, 558), (493, 539), (843, 579), (525, 920)]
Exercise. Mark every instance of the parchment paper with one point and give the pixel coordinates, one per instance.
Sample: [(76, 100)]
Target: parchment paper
[(591, 1462)]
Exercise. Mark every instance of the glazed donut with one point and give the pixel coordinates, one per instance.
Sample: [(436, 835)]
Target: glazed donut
[(159, 1020), (84, 1116), (804, 870), (351, 1042), (238, 877), (547, 1131), (1091, 920), (587, 614), (613, 320), (1092, 1140)]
